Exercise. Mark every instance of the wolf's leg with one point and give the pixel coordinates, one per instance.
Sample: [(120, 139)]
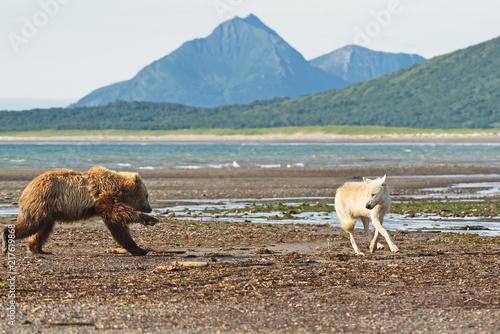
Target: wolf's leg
[(379, 228), (354, 245), (374, 242), (347, 223), (366, 226)]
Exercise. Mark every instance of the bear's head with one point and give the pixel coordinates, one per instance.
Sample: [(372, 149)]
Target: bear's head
[(134, 192)]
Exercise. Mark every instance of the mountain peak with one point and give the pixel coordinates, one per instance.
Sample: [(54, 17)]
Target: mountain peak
[(254, 21), (250, 20), (355, 63), (353, 47), (241, 61)]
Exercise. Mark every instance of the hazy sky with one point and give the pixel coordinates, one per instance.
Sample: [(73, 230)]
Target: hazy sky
[(64, 49)]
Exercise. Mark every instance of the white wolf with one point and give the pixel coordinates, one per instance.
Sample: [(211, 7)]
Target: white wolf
[(364, 200)]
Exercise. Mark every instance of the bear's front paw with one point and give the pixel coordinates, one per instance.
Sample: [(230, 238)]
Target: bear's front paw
[(149, 221), (138, 251)]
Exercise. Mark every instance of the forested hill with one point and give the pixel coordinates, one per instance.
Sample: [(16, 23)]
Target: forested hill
[(458, 90)]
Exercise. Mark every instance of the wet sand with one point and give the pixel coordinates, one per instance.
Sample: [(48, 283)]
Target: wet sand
[(272, 182), (257, 278)]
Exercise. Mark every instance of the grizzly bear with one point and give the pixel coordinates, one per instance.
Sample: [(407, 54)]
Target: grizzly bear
[(119, 198)]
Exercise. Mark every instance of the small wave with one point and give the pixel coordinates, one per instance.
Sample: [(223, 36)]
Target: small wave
[(147, 167), (226, 165), (124, 165), (188, 167), (299, 164), (218, 166), (17, 160), (270, 166)]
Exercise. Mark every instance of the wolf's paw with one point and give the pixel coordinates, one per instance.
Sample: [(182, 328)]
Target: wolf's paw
[(373, 248), (394, 249)]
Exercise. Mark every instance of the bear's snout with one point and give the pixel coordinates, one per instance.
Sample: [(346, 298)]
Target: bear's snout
[(147, 208)]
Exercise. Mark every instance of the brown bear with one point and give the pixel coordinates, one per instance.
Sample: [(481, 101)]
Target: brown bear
[(119, 198)]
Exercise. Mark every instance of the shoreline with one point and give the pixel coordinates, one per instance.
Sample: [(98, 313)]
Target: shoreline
[(299, 137)]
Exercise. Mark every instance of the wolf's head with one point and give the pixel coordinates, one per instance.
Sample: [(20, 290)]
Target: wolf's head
[(376, 191)]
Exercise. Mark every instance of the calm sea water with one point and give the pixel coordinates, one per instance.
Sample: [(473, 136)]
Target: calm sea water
[(258, 155)]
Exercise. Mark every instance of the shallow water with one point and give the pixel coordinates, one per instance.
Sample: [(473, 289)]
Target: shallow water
[(486, 189), (393, 222), (195, 210), (248, 154), (480, 225)]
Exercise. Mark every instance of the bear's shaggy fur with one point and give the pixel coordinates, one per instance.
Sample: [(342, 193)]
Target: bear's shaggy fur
[(119, 198)]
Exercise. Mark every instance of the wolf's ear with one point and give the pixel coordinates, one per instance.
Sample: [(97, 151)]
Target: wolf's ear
[(383, 180), (366, 180)]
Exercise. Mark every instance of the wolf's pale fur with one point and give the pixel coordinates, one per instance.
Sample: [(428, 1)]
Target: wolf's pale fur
[(366, 200)]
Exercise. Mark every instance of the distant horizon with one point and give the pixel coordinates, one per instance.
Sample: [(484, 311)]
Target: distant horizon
[(27, 103), (59, 51)]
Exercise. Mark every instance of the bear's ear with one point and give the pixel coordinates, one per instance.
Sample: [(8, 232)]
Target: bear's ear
[(136, 177), (130, 177), (98, 170)]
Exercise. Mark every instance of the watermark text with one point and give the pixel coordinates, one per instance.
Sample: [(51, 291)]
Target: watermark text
[(31, 26), (11, 274)]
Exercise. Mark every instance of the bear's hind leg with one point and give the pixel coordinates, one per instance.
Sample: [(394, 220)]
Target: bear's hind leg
[(23, 228), (36, 241), (5, 240)]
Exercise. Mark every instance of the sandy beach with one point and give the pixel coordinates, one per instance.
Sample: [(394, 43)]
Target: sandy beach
[(219, 277), (318, 137)]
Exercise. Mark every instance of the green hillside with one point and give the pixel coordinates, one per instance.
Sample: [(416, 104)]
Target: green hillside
[(458, 90), (461, 89)]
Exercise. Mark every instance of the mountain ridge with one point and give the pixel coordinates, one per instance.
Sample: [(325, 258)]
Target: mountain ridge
[(241, 61), (354, 63), (457, 90)]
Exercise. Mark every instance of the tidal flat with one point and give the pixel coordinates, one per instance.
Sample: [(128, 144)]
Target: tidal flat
[(207, 275)]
